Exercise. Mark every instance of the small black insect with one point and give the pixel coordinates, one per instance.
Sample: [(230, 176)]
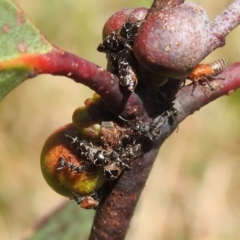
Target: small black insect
[(112, 171), (64, 163), (120, 160), (124, 155), (131, 152), (113, 161), (120, 38), (152, 129), (118, 46), (112, 43), (129, 30), (91, 154), (127, 73)]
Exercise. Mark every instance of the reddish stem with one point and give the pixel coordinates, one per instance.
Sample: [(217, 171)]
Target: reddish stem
[(58, 62), (222, 25), (114, 213), (188, 103)]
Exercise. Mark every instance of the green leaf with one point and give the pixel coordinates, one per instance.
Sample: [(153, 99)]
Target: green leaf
[(19, 40), (67, 222)]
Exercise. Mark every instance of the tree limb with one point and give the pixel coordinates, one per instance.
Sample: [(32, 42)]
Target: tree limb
[(114, 213), (222, 25)]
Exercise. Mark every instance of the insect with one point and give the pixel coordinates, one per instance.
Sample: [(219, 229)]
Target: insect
[(127, 73), (113, 161), (124, 155), (99, 157), (91, 154), (120, 38), (131, 151), (64, 163), (118, 46), (152, 129), (88, 202), (121, 160), (207, 72), (112, 171)]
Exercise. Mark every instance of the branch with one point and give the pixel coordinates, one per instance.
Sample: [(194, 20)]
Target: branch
[(222, 25), (113, 216), (58, 62), (118, 100)]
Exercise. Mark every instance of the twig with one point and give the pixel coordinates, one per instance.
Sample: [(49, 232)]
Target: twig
[(222, 25), (114, 214)]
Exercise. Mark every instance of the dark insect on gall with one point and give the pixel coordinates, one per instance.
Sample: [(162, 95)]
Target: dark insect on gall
[(120, 38), (118, 46), (64, 163), (127, 74), (120, 159), (112, 161), (91, 154)]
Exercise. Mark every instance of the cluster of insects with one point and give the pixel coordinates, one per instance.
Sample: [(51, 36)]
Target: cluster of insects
[(120, 144), (112, 161), (206, 72), (153, 129), (118, 47)]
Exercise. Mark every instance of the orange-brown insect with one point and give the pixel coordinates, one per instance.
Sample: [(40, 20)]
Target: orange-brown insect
[(206, 72), (88, 201)]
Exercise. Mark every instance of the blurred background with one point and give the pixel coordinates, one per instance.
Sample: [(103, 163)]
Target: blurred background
[(193, 191)]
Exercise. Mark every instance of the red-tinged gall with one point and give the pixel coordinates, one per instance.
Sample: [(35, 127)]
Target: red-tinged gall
[(117, 19), (171, 42), (63, 170)]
